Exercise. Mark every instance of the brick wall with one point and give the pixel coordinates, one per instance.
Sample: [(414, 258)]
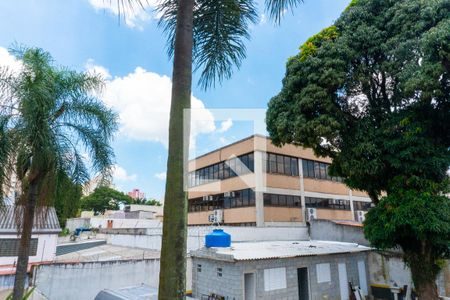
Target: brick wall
[(231, 284)]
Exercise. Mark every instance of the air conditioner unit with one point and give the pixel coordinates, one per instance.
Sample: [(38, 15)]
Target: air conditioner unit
[(360, 216), (311, 214), (216, 216)]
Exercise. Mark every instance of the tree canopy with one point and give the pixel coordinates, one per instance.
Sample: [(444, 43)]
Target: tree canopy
[(373, 93), (104, 198), (49, 121)]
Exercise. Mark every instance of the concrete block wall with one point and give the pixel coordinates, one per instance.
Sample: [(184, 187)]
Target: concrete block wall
[(231, 284)]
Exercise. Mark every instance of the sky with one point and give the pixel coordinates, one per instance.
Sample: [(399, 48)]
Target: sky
[(87, 35)]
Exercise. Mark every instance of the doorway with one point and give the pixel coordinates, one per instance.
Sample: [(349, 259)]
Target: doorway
[(249, 286), (303, 284)]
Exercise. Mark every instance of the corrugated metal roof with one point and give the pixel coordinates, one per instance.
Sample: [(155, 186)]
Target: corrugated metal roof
[(45, 221), (280, 249)]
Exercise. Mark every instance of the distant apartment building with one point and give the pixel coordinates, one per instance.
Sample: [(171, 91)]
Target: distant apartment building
[(254, 183), (136, 194)]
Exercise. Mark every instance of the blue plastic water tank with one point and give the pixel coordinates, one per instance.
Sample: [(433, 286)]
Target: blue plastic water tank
[(218, 238)]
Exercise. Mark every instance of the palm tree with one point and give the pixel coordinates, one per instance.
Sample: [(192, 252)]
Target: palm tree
[(210, 34), (49, 117)]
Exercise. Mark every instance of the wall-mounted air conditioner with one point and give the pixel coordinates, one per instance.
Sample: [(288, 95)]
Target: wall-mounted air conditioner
[(216, 216), (311, 214)]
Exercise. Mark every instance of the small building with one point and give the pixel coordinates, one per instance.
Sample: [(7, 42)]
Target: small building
[(43, 240), (280, 270)]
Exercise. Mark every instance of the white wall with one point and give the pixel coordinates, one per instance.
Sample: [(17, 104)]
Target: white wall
[(125, 223), (85, 280), (46, 250), (196, 236)]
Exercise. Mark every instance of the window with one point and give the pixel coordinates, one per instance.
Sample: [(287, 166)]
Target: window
[(219, 272), (280, 164), (317, 170), (199, 268), (226, 169), (323, 273), (10, 247), (327, 203), (281, 200), (241, 198), (361, 205), (274, 279)]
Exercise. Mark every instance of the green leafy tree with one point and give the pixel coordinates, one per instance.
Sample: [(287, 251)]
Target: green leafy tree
[(67, 200), (210, 34), (373, 93), (104, 198), (48, 116), (144, 201)]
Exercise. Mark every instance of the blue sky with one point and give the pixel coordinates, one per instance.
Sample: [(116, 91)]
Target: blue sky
[(86, 35)]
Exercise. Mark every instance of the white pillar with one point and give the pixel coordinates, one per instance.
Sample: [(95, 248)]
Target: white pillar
[(259, 188), (350, 196), (302, 190)]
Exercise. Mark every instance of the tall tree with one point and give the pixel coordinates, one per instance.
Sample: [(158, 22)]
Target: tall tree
[(211, 34), (373, 93), (104, 198), (48, 119)]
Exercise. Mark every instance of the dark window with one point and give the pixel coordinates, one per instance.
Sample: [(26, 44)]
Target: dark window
[(10, 247), (361, 205), (280, 164), (282, 200), (327, 203), (199, 268), (294, 166), (317, 170), (219, 272)]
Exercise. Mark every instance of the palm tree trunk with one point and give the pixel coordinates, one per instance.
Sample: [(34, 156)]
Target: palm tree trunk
[(24, 249), (172, 278)]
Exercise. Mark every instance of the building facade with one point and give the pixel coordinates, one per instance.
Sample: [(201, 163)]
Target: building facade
[(280, 270), (254, 183), (43, 239), (136, 194)]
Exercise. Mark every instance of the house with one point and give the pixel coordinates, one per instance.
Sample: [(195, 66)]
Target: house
[(254, 183), (280, 270), (43, 240)]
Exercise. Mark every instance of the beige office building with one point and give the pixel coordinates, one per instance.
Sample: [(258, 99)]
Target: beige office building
[(253, 183)]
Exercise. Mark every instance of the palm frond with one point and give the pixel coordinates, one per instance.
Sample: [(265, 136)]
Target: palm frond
[(278, 8), (220, 28)]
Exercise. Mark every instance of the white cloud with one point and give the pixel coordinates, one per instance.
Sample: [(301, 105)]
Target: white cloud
[(96, 69), (121, 174), (142, 99), (225, 125), (161, 176), (133, 15), (9, 61)]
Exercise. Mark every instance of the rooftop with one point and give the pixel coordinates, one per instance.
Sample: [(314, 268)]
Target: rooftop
[(278, 249), (107, 252), (45, 220)]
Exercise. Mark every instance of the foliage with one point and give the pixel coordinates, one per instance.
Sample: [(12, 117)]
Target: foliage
[(67, 200), (376, 99), (220, 28), (49, 117), (27, 295), (147, 202), (104, 198), (416, 221), (310, 46)]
